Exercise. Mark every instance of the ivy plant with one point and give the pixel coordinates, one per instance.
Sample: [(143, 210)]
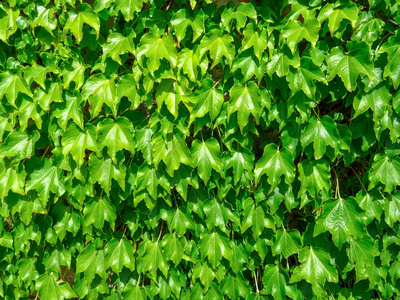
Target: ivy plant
[(187, 149)]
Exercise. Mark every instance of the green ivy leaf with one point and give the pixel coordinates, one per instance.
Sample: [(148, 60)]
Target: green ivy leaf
[(336, 14), (77, 17), (218, 47), (351, 64), (116, 136), (119, 253), (50, 288), (98, 90), (155, 49), (245, 100), (342, 218), (91, 262), (275, 281), (46, 180), (385, 170), (206, 157), (98, 211), (321, 133), (294, 32), (214, 246), (207, 99), (392, 69), (275, 162), (287, 242), (8, 18), (315, 268), (11, 85)]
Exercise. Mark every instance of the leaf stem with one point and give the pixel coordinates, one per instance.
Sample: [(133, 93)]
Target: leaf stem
[(359, 179), (45, 152), (256, 279), (337, 193), (161, 230)]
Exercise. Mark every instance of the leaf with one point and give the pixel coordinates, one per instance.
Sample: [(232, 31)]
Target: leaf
[(73, 72), (181, 21), (76, 142), (129, 7), (37, 73), (207, 99), (56, 258), (372, 203), (218, 47), (127, 87), (392, 69), (249, 66), (240, 14), (314, 177), (29, 110), (254, 39), (245, 100), (321, 133), (76, 19), (205, 273), (362, 253), (119, 253), (181, 222), (351, 64), (275, 162), (392, 209), (214, 246), (172, 94), (118, 44), (254, 217), (11, 85), (71, 110), (11, 180), (154, 259), (45, 98), (98, 211), (386, 171), (135, 292), (45, 18), (27, 269), (342, 218), (377, 100), (8, 19), (46, 180), (217, 214), (275, 281), (336, 14), (19, 145), (49, 288), (287, 242), (155, 49), (304, 76), (294, 32), (147, 178), (240, 162), (98, 90), (315, 267), (104, 170), (173, 248), (234, 287), (282, 60), (116, 136), (91, 262), (206, 157)]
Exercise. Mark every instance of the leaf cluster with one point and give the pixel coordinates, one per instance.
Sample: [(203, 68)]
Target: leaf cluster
[(185, 149)]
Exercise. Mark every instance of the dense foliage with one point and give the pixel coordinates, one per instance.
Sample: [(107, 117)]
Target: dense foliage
[(192, 150)]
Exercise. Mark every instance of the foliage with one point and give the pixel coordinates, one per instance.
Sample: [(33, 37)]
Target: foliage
[(183, 149)]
